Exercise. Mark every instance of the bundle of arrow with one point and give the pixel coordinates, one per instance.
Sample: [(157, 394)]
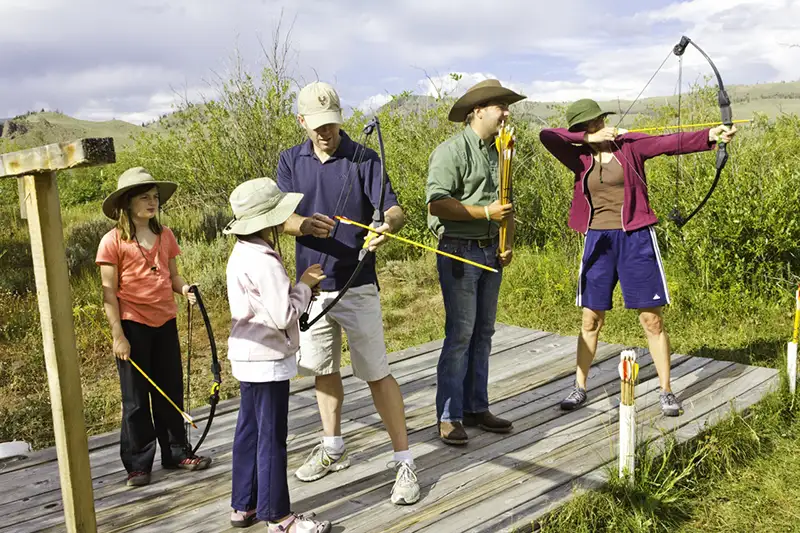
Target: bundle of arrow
[(505, 153), (628, 372)]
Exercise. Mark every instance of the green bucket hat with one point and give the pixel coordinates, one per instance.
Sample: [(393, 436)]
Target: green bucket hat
[(259, 204), (583, 111), (130, 179)]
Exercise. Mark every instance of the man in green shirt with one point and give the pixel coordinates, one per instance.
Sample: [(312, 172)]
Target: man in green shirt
[(465, 213)]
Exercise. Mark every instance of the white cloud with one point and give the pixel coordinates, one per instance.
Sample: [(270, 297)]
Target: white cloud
[(110, 59), (373, 103)]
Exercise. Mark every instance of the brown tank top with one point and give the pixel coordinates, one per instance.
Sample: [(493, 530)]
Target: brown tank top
[(606, 183)]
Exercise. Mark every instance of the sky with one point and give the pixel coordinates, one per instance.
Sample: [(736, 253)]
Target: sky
[(135, 59)]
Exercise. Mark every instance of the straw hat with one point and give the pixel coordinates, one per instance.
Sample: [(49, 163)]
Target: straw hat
[(132, 178)]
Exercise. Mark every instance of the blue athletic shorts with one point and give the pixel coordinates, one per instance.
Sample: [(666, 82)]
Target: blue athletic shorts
[(632, 258)]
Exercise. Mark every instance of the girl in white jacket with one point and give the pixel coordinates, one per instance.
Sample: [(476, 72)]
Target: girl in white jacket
[(264, 339)]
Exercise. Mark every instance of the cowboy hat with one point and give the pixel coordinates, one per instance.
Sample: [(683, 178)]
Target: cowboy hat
[(259, 204), (583, 111), (131, 178), (481, 93)]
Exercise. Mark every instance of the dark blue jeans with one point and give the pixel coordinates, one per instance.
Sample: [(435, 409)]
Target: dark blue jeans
[(259, 450), (470, 303)]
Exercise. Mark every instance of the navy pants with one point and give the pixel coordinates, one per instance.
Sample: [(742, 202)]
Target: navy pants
[(259, 450)]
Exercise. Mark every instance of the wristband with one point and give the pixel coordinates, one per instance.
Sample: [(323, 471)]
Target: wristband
[(486, 210)]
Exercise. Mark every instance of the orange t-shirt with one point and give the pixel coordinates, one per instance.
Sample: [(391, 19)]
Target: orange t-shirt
[(145, 295)]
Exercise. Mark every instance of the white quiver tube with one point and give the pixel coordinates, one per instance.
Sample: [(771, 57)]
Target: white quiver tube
[(791, 348)]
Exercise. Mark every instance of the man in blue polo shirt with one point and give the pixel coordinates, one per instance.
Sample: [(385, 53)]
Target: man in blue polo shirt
[(339, 176)]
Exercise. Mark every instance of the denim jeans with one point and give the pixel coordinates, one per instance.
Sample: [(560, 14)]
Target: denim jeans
[(470, 303)]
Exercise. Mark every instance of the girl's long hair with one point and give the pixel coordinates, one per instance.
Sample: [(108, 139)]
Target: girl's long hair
[(125, 227)]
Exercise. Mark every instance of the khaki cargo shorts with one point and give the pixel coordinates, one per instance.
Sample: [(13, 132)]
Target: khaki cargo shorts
[(358, 313)]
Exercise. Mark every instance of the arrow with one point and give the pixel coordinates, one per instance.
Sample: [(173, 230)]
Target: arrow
[(185, 416), (641, 130), (345, 220)]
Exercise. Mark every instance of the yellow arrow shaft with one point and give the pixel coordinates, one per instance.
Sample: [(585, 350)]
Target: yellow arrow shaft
[(642, 130), (796, 317), (407, 241), (183, 414)]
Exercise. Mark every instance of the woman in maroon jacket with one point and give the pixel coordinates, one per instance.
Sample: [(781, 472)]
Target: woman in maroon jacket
[(611, 208)]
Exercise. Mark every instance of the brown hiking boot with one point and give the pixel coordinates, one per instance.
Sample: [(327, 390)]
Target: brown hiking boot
[(452, 433), (488, 422)]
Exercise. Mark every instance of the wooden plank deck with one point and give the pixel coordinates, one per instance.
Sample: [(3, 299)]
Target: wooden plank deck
[(496, 483)]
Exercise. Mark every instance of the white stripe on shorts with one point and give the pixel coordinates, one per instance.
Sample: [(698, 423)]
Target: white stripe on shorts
[(660, 263)]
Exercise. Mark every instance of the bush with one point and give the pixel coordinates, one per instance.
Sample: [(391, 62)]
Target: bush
[(82, 242)]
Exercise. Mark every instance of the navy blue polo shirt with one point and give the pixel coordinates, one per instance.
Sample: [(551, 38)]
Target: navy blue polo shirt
[(300, 170)]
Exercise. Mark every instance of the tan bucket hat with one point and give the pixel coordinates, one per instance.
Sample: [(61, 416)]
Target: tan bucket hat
[(319, 104), (482, 93), (259, 204), (131, 178)]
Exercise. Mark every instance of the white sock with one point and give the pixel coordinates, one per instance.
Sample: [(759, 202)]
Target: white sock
[(333, 445), (404, 457)]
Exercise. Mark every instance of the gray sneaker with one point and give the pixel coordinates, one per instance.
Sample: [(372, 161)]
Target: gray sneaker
[(575, 399), (406, 488), (319, 463), (670, 406)]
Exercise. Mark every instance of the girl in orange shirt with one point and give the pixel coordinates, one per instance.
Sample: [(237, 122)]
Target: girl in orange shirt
[(140, 275)]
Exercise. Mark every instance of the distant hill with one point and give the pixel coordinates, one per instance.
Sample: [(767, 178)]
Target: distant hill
[(772, 99), (36, 129)]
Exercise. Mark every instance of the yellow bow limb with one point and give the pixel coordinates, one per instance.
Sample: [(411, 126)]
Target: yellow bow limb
[(408, 241)]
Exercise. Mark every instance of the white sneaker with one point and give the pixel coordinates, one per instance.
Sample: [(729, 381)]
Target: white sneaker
[(319, 463), (406, 487)]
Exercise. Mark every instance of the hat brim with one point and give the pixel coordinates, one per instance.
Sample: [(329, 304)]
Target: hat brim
[(165, 190), (320, 119), (580, 126), (277, 215), (483, 95)]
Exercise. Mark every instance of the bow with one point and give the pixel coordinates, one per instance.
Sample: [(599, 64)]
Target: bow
[(216, 369), (377, 219), (727, 119)]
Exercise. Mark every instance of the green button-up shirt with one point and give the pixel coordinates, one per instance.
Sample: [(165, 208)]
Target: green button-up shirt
[(464, 168)]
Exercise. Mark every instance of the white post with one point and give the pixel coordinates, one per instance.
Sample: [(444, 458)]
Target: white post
[(791, 349), (627, 440), (628, 372)]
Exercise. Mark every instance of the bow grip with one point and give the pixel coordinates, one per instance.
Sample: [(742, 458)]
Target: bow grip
[(304, 322)]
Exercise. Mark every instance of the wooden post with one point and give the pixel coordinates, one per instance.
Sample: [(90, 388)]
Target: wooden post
[(23, 213), (39, 166)]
